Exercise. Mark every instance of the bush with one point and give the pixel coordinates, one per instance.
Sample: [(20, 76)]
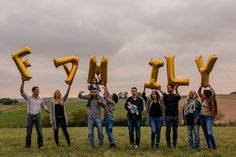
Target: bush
[(78, 118), (46, 122), (6, 101)]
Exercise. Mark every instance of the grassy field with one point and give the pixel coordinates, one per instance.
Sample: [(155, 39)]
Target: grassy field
[(15, 117), (12, 144)]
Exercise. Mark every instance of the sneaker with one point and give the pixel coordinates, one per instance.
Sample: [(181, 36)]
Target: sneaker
[(92, 147), (131, 146), (41, 148), (113, 145), (27, 148), (136, 146)]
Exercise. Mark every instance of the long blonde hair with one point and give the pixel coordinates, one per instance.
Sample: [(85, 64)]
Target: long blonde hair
[(60, 97)]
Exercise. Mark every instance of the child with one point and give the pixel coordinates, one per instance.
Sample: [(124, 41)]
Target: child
[(133, 108), (95, 84), (109, 114)]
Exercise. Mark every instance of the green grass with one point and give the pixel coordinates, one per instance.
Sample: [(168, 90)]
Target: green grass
[(16, 118), (12, 144)]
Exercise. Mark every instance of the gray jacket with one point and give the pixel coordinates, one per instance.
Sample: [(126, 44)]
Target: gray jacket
[(53, 113), (110, 106)]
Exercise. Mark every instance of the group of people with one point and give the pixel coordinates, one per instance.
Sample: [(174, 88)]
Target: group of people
[(199, 109)]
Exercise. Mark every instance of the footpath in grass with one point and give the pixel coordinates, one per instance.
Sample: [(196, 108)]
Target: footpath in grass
[(12, 144)]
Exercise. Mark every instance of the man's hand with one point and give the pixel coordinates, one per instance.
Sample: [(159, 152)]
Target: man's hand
[(80, 93)]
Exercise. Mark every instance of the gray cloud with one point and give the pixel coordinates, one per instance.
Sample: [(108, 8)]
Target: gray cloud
[(129, 32)]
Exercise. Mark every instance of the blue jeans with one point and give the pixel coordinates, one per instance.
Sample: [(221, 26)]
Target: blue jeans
[(193, 129), (95, 122), (156, 124), (109, 124), (134, 123), (207, 123)]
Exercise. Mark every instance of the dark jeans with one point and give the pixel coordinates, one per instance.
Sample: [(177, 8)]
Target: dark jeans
[(207, 123), (171, 121), (156, 124), (31, 120), (109, 124), (62, 123), (134, 123)]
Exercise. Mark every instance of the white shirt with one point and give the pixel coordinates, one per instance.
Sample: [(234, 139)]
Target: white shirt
[(34, 105)]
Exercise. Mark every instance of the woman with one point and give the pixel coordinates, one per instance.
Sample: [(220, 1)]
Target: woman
[(155, 115), (58, 115), (191, 117), (208, 113)]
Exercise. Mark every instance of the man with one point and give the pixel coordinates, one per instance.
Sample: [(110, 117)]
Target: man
[(94, 115), (34, 106), (171, 102), (109, 114), (134, 117)]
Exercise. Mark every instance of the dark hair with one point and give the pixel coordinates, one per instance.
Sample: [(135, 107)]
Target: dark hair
[(171, 85), (207, 93), (95, 79), (34, 88), (155, 92), (115, 98), (134, 88)]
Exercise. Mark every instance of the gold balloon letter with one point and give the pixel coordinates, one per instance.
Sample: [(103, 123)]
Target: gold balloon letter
[(22, 65), (95, 68), (171, 73), (74, 60), (153, 84), (205, 69)]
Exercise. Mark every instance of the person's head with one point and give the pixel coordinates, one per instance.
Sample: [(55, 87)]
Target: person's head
[(192, 94), (114, 97), (155, 95), (207, 94), (94, 80), (57, 95), (134, 91), (170, 88), (94, 92), (35, 91)]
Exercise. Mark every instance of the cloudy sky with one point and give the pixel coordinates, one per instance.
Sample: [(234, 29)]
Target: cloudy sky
[(129, 32)]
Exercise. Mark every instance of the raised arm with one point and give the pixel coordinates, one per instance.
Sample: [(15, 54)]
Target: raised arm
[(176, 90), (22, 92), (22, 87), (83, 96), (67, 93), (200, 92), (106, 95), (161, 91)]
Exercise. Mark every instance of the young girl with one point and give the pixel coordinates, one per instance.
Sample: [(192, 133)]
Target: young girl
[(155, 113), (208, 113), (58, 115), (95, 83)]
